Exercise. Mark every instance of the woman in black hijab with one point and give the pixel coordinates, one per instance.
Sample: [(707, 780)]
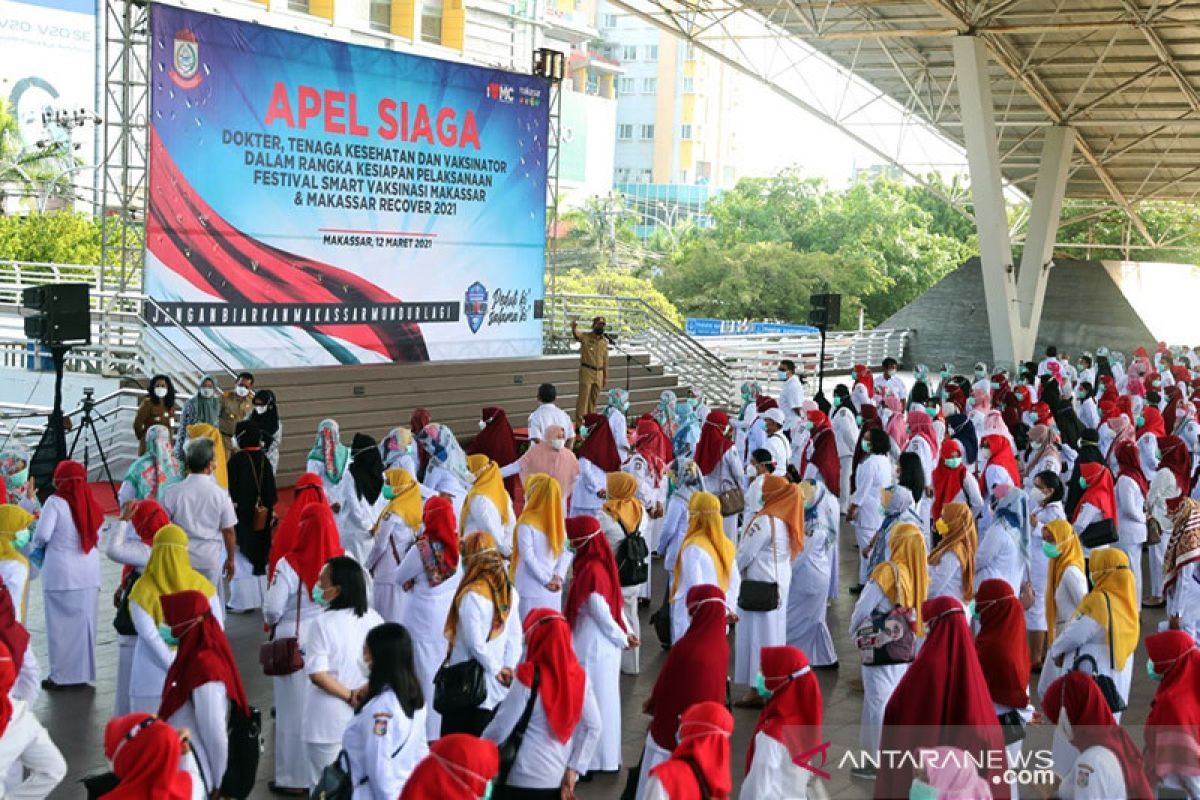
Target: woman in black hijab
[(252, 489), (266, 417)]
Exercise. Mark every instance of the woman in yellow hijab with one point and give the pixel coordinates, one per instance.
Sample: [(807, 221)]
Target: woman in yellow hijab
[(205, 431), (955, 576), (706, 556), (1106, 626), (1065, 586), (540, 558), (394, 533), (487, 506), (623, 514), (15, 523), (168, 571), (901, 581)]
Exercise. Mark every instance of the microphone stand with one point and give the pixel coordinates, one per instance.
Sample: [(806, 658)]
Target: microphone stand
[(612, 340)]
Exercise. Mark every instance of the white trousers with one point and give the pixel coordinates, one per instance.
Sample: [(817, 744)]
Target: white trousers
[(26, 744), (631, 660), (1156, 553), (652, 756), (863, 537), (246, 590), (291, 756), (878, 685), (320, 756), (125, 645), (71, 634)]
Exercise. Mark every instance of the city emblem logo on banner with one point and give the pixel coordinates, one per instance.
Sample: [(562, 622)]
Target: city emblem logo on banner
[(185, 68), (475, 305), (500, 91)]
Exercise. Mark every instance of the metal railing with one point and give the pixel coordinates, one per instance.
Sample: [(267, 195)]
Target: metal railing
[(640, 328), (756, 357)]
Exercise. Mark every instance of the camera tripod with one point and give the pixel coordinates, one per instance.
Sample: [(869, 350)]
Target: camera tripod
[(88, 423)]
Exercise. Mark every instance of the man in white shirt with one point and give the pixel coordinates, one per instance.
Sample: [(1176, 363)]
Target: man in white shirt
[(200, 506), (777, 442), (891, 381), (791, 396), (1051, 355), (548, 414)]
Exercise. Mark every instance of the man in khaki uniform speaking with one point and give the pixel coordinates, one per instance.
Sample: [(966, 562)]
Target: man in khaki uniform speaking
[(593, 367)]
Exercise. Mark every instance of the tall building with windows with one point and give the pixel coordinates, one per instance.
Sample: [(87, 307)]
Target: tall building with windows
[(675, 107)]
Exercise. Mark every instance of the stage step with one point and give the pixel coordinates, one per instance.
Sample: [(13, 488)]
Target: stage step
[(376, 398)]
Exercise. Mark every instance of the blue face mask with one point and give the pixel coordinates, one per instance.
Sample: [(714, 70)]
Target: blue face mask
[(318, 596), (389, 493), (781, 375), (164, 630), (21, 538), (1150, 673), (920, 790), (760, 686), (1050, 549)]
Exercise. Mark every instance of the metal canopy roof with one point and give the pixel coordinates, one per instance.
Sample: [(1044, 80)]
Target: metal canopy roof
[(1124, 73)]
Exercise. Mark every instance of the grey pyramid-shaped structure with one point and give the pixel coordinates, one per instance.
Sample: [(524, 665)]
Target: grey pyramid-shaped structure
[(1121, 305)]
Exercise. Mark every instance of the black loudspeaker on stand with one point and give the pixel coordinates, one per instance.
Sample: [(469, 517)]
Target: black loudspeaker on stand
[(58, 316), (825, 310)]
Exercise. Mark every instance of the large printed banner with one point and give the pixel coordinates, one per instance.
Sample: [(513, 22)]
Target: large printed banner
[(315, 202)]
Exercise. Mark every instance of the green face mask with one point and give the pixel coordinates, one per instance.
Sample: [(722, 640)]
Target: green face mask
[(760, 686), (920, 790), (1154, 676), (953, 463), (21, 538), (1082, 482), (971, 612), (583, 431), (808, 425), (858, 419), (164, 630), (318, 596), (837, 401), (1050, 549), (487, 793), (389, 493), (866, 445), (1141, 421)]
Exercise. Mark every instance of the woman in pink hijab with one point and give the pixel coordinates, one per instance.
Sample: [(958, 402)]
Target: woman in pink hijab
[(950, 776), (550, 456), (895, 426)]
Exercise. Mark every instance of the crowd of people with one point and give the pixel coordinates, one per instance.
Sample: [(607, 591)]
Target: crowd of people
[(441, 621)]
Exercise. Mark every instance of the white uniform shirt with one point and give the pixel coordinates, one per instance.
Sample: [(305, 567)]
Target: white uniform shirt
[(66, 567), (384, 746), (203, 509), (1131, 512), (547, 415), (536, 566), (482, 515), (439, 479), (543, 759), (780, 449), (772, 773), (1096, 775), (471, 641), (873, 475), (791, 397), (206, 715), (591, 480), (392, 541), (894, 385), (335, 645), (999, 556)]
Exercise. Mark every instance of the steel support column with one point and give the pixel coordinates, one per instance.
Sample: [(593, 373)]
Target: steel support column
[(987, 193), (1044, 212)]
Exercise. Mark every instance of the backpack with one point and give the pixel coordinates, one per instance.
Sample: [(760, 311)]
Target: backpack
[(632, 554)]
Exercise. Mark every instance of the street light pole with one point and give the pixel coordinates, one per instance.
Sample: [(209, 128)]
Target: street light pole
[(45, 196)]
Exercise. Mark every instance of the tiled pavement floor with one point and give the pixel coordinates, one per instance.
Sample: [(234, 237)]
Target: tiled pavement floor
[(76, 719)]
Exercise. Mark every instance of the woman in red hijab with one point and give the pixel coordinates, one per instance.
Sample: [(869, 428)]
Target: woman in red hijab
[(147, 518), (1099, 499), (565, 725), (943, 689), (693, 672), (416, 422), (202, 683), (821, 462), (309, 489), (862, 374), (788, 733), (290, 610), (1172, 753), (1004, 658), (952, 482), (598, 456), (1109, 764), (719, 463), (28, 752), (497, 441), (458, 767), (70, 528), (699, 766), (1151, 421), (594, 609), (145, 755)]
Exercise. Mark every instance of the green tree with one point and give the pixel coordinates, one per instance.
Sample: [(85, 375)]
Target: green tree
[(1175, 225), (608, 281), (595, 232), (60, 238)]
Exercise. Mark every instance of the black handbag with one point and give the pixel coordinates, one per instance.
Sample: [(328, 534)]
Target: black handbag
[(1012, 726), (459, 687), (762, 595), (1108, 687), (512, 745), (1098, 534), (123, 620), (335, 782)]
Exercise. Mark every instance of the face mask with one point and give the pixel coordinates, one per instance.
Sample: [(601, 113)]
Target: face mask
[(318, 596), (920, 790), (972, 611), (207, 393), (781, 375), (482, 424), (21, 538), (970, 402), (598, 330), (583, 431), (1037, 496), (808, 426), (389, 493), (1150, 673), (932, 412), (1050, 549), (260, 409), (364, 666), (887, 374), (837, 401), (1081, 395), (487, 792), (1082, 482), (241, 391), (954, 463), (1140, 421), (160, 392), (1156, 384), (760, 686), (985, 454), (558, 444), (866, 446), (18, 479), (164, 630), (995, 385), (858, 420), (980, 373), (945, 374)]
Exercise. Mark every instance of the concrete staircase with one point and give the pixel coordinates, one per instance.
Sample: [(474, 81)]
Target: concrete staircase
[(376, 398)]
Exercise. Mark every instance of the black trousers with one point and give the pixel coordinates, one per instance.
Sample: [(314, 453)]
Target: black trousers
[(471, 721)]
